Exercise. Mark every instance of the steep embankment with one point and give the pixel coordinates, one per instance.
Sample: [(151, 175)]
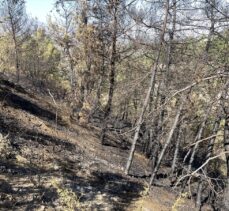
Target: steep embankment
[(48, 163)]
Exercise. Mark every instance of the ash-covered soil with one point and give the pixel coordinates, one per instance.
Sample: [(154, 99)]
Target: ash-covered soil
[(49, 163)]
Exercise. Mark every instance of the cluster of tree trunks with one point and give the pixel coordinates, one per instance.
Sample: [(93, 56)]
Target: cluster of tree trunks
[(158, 74)]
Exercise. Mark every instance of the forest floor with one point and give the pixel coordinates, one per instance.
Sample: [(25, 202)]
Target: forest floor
[(50, 163)]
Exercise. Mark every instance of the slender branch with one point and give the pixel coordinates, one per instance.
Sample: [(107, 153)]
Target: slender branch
[(195, 173), (201, 140)]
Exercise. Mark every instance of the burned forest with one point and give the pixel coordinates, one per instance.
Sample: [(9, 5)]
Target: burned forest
[(114, 105)]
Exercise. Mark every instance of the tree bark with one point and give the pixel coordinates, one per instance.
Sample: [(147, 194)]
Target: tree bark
[(17, 65), (226, 147), (174, 162), (168, 141), (72, 65), (150, 89), (212, 27), (209, 154), (113, 58), (200, 132), (16, 52)]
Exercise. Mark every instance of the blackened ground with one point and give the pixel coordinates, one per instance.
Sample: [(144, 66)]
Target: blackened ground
[(49, 163)]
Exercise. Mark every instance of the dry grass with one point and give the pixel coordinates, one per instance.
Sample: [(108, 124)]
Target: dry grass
[(162, 200)]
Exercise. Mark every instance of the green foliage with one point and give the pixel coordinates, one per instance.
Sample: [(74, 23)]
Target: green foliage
[(219, 49), (6, 54), (41, 57)]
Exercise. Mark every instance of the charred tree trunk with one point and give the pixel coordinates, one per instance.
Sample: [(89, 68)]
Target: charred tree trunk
[(210, 15), (17, 65), (198, 137), (113, 58), (168, 61), (209, 154), (71, 65), (226, 147), (176, 152), (97, 102), (148, 143), (226, 142), (154, 155), (168, 141), (16, 50), (150, 89), (194, 149), (83, 84)]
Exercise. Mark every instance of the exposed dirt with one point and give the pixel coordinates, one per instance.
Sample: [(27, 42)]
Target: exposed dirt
[(54, 164)]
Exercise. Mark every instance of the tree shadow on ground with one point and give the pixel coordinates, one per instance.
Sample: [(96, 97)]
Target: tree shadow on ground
[(18, 192), (14, 129), (18, 102), (27, 186), (117, 191)]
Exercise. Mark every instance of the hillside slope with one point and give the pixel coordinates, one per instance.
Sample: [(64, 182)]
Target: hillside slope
[(49, 163)]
